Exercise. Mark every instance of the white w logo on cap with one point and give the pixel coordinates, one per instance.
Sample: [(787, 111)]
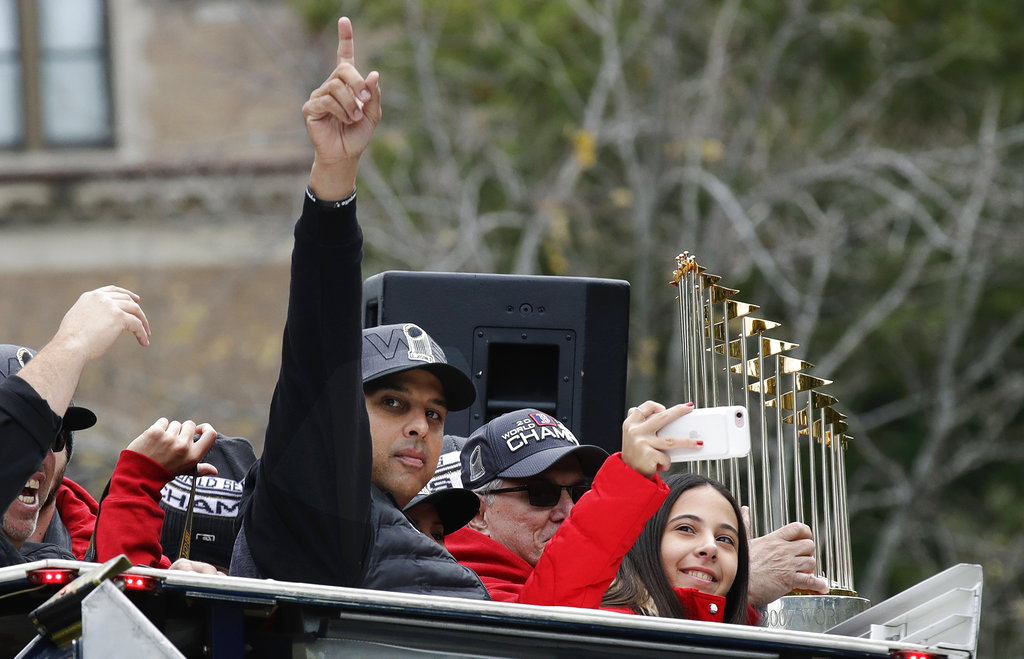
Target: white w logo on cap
[(419, 344)]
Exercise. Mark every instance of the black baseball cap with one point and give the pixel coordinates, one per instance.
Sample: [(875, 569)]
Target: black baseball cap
[(454, 504), (521, 444), (13, 358), (217, 506), (389, 349)]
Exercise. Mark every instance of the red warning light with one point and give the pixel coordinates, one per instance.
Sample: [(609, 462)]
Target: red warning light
[(56, 576), (138, 582)]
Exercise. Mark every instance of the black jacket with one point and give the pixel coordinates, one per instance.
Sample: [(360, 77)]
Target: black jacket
[(27, 429), (313, 514)]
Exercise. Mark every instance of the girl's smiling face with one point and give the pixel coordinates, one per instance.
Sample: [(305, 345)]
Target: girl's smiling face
[(700, 542)]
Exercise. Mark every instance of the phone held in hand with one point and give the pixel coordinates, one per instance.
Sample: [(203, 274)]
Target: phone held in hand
[(724, 430)]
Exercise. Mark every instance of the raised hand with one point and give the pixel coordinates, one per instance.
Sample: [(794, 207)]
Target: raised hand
[(172, 444), (87, 331), (95, 321), (341, 116), (642, 449)]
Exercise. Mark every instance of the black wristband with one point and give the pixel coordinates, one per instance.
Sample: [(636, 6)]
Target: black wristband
[(334, 205)]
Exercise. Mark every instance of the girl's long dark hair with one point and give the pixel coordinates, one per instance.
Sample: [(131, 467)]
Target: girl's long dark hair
[(641, 583)]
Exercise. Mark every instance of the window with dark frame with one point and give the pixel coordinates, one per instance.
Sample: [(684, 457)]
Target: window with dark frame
[(55, 89)]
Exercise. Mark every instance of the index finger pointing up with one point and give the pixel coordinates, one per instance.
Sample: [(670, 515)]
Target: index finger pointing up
[(346, 42)]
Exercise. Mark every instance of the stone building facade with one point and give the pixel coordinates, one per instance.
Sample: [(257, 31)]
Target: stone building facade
[(156, 144)]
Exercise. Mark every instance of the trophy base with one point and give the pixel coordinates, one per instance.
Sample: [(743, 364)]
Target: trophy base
[(812, 613)]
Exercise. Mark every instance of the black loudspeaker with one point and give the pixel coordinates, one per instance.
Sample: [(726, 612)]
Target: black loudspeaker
[(557, 344)]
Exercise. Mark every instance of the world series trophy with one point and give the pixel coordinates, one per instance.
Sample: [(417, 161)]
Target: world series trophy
[(796, 469)]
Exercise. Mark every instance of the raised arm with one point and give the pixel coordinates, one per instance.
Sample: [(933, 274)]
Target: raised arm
[(87, 331), (581, 560), (307, 519), (33, 400)]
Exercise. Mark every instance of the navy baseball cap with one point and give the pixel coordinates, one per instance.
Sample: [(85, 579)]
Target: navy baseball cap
[(454, 504), (521, 444), (389, 349), (12, 358)]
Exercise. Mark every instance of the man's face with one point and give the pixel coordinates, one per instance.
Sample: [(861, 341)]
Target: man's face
[(526, 529), (406, 426), (51, 482), (21, 516)]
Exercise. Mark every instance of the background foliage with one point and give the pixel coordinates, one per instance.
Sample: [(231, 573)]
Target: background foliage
[(854, 167)]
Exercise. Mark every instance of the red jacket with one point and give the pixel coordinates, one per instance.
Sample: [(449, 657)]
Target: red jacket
[(699, 606), (132, 517), (581, 560), (77, 511)]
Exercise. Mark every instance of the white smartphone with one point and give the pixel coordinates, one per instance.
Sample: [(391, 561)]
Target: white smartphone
[(724, 430)]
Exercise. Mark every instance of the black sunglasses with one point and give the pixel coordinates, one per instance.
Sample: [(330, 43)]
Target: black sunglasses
[(545, 494), (61, 440)]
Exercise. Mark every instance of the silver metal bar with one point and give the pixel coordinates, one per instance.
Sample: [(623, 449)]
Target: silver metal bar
[(701, 336), (693, 336), (766, 490), (783, 480), (826, 541), (837, 537), (812, 477), (755, 522), (845, 517), (798, 476), (683, 326)]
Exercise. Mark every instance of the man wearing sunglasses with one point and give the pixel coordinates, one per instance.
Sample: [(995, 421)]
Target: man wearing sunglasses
[(35, 393), (67, 514), (31, 522), (530, 473)]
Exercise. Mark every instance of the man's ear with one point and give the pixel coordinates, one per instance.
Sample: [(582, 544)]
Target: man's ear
[(479, 523)]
